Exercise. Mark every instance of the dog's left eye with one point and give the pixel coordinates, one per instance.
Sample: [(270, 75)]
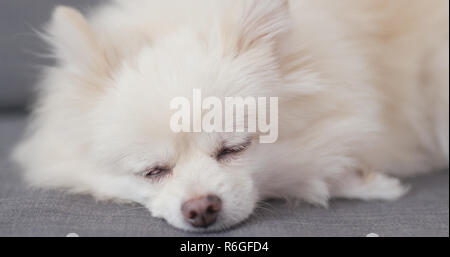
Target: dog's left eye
[(226, 152), (157, 172)]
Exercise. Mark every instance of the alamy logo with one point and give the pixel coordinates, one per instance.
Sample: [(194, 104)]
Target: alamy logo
[(231, 114)]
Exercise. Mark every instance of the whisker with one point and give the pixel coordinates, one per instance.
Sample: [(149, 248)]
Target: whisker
[(126, 210)]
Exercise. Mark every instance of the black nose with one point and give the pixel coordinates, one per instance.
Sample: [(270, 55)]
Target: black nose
[(202, 211)]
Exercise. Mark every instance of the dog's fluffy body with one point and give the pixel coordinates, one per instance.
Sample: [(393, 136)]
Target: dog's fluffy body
[(363, 87)]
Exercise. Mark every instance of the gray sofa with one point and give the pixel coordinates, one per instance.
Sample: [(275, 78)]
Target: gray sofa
[(26, 212)]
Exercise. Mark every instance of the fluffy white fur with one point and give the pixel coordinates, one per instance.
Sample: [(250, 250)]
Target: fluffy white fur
[(363, 87)]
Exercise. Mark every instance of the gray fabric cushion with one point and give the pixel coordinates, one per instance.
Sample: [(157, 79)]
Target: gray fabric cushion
[(24, 212), (20, 47)]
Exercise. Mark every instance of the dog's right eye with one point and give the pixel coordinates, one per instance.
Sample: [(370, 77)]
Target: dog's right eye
[(157, 172)]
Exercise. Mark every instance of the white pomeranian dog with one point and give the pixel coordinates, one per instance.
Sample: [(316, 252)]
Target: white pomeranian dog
[(362, 87)]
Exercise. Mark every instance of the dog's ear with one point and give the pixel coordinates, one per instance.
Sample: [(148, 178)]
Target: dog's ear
[(256, 22), (74, 41)]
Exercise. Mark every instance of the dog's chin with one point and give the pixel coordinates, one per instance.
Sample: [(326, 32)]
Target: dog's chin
[(221, 224), (217, 227)]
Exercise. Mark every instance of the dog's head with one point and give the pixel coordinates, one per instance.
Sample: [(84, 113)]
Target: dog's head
[(193, 180)]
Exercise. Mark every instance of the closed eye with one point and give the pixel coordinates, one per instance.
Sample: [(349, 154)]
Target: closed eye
[(157, 172), (225, 153)]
